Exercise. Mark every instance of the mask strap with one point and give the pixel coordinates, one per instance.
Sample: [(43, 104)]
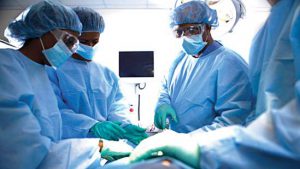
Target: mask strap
[(42, 43)]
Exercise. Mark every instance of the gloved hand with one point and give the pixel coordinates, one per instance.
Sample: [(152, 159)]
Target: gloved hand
[(134, 134), (114, 150), (111, 155), (108, 130), (168, 143), (161, 114)]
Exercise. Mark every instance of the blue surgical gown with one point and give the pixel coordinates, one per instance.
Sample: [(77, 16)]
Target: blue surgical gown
[(260, 59), (209, 92), (87, 93), (30, 121), (272, 140)]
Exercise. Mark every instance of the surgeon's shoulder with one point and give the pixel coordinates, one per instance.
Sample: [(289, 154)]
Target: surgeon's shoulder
[(179, 56), (230, 57), (12, 74), (107, 72), (8, 57)]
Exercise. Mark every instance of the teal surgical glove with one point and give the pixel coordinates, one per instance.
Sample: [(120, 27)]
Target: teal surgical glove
[(111, 155), (168, 143), (161, 114), (134, 134), (114, 150), (108, 130)]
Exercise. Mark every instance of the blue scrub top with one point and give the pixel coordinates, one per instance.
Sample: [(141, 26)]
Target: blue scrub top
[(87, 93), (272, 140), (209, 92), (30, 121)]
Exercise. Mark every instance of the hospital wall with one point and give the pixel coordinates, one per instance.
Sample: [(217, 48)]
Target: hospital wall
[(139, 30)]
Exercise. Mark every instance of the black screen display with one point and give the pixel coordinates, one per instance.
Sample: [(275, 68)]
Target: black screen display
[(136, 64)]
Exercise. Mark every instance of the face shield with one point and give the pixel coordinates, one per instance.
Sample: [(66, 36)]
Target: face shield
[(66, 44), (190, 30), (69, 40)]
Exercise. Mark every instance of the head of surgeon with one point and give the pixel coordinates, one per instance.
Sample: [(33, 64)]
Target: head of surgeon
[(92, 26), (47, 31), (192, 21)]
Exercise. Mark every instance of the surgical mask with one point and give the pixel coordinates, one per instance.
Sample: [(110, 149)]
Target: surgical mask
[(193, 44), (85, 51), (58, 54)]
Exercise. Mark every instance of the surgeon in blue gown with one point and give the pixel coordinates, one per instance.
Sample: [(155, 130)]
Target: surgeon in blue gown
[(207, 86), (261, 60), (89, 96), (270, 141), (30, 121)]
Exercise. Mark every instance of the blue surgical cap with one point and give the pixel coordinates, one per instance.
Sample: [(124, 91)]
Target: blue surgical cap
[(194, 12), (39, 19), (90, 19)]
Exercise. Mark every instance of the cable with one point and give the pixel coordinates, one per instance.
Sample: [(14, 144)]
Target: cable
[(139, 86), (7, 43), (175, 5), (139, 100), (139, 97)]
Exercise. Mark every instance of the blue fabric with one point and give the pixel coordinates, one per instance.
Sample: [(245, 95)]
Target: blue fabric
[(159, 162), (193, 12), (87, 93), (209, 92), (215, 45), (90, 19), (272, 140), (39, 19), (86, 51), (260, 59), (58, 54), (193, 44), (30, 121)]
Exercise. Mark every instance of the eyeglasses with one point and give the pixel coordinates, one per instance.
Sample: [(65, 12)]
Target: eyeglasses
[(70, 40), (188, 31)]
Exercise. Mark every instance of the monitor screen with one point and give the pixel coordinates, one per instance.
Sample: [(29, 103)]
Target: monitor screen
[(136, 64)]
